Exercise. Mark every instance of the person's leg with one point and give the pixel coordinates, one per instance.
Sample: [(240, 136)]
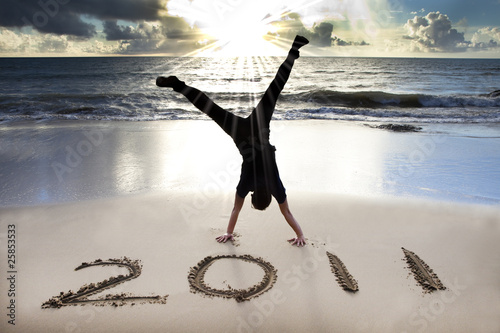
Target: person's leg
[(226, 120), (268, 102)]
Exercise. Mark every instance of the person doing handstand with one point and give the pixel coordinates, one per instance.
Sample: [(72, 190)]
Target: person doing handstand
[(259, 171)]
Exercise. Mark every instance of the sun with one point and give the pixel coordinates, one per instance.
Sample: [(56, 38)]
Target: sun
[(249, 40), (235, 27)]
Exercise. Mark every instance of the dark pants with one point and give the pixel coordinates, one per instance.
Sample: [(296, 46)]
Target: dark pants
[(237, 127)]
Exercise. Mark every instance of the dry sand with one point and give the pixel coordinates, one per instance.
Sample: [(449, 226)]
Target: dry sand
[(170, 231), (461, 243)]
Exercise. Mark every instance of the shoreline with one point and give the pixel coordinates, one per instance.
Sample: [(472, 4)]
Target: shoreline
[(65, 161)]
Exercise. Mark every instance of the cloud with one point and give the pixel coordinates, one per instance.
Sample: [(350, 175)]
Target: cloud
[(150, 28), (319, 35), (147, 37), (150, 37), (115, 32), (98, 47), (53, 44), (178, 28), (291, 25), (170, 35), (59, 22), (64, 17), (323, 34), (29, 44), (420, 11), (17, 43), (313, 19), (168, 27), (486, 38), (493, 32), (434, 32), (12, 42)]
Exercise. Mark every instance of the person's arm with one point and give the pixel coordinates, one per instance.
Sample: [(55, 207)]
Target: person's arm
[(300, 239), (238, 204)]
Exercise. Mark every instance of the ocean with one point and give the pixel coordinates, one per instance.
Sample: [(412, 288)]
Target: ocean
[(402, 90)]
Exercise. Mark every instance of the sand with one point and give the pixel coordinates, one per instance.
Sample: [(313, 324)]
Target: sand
[(156, 199)]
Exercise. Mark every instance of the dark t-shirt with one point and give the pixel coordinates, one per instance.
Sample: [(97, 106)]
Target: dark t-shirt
[(259, 168)]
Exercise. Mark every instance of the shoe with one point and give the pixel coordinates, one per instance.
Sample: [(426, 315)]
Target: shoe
[(299, 42), (168, 82)]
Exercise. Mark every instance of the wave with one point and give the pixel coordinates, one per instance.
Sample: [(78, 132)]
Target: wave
[(369, 99), (312, 104), (379, 99), (393, 115)]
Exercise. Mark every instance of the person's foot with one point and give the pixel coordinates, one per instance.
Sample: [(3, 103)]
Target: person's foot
[(299, 42), (168, 82)]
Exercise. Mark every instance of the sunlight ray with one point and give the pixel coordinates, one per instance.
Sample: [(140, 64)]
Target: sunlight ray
[(220, 21)]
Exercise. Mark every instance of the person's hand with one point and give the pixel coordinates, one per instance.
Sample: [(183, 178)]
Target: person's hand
[(299, 241), (224, 238)]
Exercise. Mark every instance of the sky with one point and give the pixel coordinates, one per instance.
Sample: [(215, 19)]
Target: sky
[(369, 28)]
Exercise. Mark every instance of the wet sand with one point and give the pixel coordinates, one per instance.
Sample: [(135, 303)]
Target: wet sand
[(65, 161)]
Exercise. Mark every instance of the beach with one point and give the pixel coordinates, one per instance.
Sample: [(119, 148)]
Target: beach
[(159, 193)]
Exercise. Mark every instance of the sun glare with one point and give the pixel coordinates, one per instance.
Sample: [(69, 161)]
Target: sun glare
[(249, 28), (249, 39), (234, 27)]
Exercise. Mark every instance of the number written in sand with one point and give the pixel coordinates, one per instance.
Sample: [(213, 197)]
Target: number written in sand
[(197, 274), (81, 296)]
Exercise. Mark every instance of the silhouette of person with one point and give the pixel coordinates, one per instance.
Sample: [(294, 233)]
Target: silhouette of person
[(259, 171)]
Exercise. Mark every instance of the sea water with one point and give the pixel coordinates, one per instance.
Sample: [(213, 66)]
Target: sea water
[(403, 90)]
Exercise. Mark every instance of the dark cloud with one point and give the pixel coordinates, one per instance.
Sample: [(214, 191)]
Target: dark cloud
[(153, 31), (320, 35), (157, 46), (115, 32), (144, 38), (178, 28), (64, 17), (340, 42), (170, 35), (129, 10), (50, 16), (434, 32), (147, 37), (170, 27)]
